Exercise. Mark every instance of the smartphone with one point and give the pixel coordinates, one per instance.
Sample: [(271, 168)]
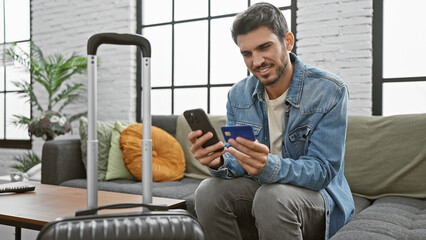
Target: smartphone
[(198, 120), (244, 131)]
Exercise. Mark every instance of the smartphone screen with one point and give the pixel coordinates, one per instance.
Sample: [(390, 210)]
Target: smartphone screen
[(198, 120)]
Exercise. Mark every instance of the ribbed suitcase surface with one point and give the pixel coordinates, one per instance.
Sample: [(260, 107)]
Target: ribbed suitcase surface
[(172, 224)]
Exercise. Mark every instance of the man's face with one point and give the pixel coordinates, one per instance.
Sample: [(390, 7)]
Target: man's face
[(264, 54)]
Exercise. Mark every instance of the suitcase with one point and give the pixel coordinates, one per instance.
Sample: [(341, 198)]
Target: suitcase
[(154, 222)]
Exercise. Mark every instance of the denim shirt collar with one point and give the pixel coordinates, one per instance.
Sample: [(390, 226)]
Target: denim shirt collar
[(258, 90), (295, 90)]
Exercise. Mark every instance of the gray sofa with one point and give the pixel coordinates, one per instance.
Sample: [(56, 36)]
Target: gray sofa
[(62, 165), (385, 164)]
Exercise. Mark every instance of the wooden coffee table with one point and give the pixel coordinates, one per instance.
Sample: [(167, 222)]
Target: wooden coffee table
[(33, 210)]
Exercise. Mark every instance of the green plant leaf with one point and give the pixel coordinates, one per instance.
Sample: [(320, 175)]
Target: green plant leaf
[(77, 116), (21, 121), (53, 73), (26, 91), (26, 161), (69, 94)]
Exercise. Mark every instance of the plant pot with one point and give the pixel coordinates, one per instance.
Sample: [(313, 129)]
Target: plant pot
[(49, 125)]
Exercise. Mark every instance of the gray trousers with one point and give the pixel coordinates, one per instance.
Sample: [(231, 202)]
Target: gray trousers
[(240, 208)]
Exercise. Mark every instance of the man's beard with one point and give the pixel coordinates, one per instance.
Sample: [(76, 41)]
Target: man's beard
[(280, 72)]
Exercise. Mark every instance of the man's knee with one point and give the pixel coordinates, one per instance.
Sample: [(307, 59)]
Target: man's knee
[(224, 193), (212, 194), (207, 191), (267, 200), (217, 189), (298, 210), (271, 198)]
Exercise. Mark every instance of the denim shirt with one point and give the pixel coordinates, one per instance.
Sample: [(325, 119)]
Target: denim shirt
[(313, 143)]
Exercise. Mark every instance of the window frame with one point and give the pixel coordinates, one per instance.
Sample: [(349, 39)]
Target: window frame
[(378, 79), (208, 86), (4, 142)]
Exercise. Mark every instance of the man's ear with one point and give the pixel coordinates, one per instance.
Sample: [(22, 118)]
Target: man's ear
[(289, 41)]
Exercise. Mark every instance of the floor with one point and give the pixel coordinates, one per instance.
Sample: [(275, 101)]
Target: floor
[(8, 233)]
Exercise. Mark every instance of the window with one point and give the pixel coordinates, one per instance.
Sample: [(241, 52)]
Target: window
[(399, 72), (14, 27), (194, 59)]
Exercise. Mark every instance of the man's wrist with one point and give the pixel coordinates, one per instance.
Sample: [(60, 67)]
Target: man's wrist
[(219, 165)]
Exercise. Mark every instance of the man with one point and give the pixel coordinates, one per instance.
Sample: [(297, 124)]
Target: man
[(289, 183)]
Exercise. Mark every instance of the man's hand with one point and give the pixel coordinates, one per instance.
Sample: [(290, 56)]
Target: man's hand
[(206, 156), (252, 155)]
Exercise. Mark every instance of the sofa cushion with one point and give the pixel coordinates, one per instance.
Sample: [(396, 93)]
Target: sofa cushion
[(182, 189), (193, 168), (386, 156), (360, 204), (116, 168), (104, 131), (388, 218), (105, 135), (168, 161)]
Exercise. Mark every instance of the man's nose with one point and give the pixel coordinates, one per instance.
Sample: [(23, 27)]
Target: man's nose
[(258, 60)]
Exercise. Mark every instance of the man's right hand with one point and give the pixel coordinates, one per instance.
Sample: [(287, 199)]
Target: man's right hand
[(206, 156)]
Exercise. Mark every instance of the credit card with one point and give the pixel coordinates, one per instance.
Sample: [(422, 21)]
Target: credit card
[(238, 131)]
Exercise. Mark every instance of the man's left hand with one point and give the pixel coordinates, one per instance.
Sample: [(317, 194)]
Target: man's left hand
[(251, 155)]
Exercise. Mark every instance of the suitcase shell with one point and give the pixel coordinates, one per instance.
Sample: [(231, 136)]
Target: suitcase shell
[(154, 222), (172, 224)]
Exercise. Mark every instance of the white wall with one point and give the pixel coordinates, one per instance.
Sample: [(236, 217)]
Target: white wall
[(336, 35), (60, 26), (65, 27)]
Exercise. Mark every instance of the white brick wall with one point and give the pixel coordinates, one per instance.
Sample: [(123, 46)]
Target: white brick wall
[(336, 35), (61, 26), (65, 26)]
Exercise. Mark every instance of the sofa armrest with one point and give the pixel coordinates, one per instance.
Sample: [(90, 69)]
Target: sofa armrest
[(61, 161)]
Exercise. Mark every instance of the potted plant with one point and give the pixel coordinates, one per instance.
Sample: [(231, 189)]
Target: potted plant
[(28, 166), (53, 74)]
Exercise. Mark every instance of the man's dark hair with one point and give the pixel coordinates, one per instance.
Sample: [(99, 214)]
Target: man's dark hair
[(260, 14)]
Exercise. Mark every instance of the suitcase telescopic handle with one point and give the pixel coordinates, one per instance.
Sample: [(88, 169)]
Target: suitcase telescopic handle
[(119, 39), (92, 143)]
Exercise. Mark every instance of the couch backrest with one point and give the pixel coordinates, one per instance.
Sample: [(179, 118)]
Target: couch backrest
[(386, 155), (193, 168), (166, 122)]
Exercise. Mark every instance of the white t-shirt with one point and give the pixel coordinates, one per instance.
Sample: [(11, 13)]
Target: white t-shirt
[(276, 111)]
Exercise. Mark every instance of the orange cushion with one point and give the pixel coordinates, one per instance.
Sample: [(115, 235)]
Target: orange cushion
[(168, 160)]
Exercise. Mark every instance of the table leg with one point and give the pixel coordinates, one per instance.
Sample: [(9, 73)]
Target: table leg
[(17, 233)]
